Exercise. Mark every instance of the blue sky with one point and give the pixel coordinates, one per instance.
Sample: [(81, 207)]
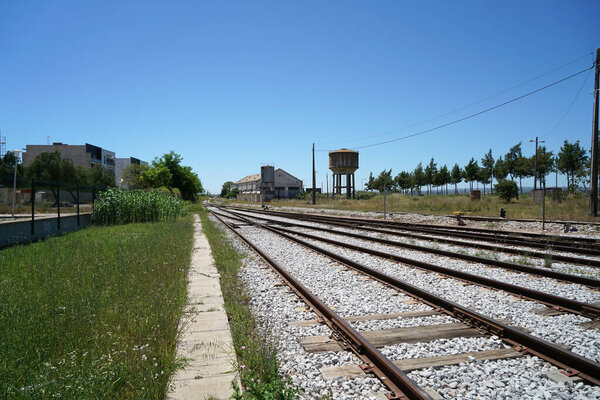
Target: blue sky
[(234, 85)]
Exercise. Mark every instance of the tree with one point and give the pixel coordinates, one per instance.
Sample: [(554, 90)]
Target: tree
[(49, 166), (182, 177), (226, 188), (156, 176), (507, 190), (487, 165), (430, 171), (545, 162), (512, 159), (443, 178), (419, 177), (370, 182), (471, 172), (46, 166), (500, 169), (384, 178), (7, 165), (571, 159), (132, 176), (523, 168), (484, 176), (404, 181), (456, 177), (99, 176)]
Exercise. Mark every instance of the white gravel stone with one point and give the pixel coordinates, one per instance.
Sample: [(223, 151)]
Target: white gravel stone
[(350, 295)]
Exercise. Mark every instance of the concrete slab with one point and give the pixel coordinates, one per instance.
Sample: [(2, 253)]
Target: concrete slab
[(205, 343)]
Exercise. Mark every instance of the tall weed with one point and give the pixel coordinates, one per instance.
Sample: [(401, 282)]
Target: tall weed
[(117, 206)]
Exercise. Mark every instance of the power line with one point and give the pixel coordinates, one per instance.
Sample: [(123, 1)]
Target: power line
[(472, 115), (570, 106), (463, 107)]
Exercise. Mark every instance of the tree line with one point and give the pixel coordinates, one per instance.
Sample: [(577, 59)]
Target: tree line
[(165, 172), (572, 160)]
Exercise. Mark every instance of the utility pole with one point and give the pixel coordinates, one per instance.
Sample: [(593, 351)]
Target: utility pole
[(594, 168), (384, 202), (314, 188), (535, 162)]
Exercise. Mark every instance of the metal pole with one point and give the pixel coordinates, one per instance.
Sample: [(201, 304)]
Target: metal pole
[(32, 206), (314, 178), (384, 203), (544, 206), (14, 186), (58, 202), (594, 167), (535, 165), (78, 204), (327, 183)]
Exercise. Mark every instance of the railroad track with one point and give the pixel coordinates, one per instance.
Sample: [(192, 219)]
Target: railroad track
[(536, 221), (557, 302), (437, 237), (428, 249), (568, 244), (570, 362)]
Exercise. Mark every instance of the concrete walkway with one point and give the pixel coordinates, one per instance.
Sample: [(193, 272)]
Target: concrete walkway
[(206, 343)]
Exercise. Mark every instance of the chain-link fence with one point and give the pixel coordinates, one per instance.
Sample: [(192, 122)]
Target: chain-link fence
[(26, 198)]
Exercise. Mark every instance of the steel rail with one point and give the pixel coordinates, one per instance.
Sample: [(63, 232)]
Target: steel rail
[(481, 260), (401, 386), (504, 238), (498, 219), (561, 303), (572, 363), (490, 234), (529, 253)]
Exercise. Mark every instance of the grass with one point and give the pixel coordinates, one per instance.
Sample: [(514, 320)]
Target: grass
[(572, 208), (256, 351), (94, 314)]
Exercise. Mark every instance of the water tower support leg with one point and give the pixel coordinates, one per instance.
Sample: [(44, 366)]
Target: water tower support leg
[(353, 187)]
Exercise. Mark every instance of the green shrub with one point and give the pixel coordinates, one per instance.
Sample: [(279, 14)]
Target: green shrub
[(117, 206), (507, 190), (364, 195)]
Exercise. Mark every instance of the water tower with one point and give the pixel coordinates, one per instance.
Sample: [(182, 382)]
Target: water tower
[(343, 163)]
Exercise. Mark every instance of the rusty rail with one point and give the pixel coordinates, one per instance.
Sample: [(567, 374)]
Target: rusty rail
[(562, 303), (591, 282), (529, 253), (579, 245), (401, 386), (572, 363)]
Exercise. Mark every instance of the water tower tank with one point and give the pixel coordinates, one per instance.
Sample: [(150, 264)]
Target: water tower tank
[(343, 161)]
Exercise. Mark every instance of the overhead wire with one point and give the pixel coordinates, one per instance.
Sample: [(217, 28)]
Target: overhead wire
[(471, 115), (570, 106), (463, 107)]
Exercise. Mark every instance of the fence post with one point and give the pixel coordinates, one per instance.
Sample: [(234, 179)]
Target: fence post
[(32, 206), (58, 202), (78, 204)]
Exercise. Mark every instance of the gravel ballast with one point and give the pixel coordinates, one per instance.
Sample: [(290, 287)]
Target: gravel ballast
[(350, 294)]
